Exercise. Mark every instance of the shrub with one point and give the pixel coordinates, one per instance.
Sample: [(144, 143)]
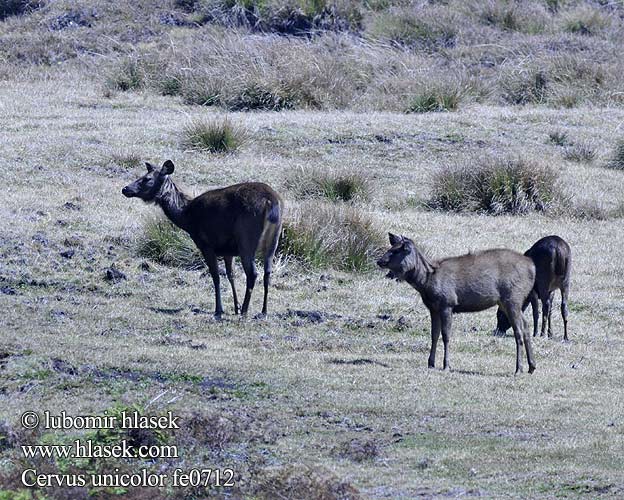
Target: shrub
[(617, 158), (496, 186), (166, 244), (579, 152), (216, 135), (334, 185), (326, 235)]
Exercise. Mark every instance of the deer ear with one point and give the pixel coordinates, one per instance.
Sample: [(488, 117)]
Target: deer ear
[(167, 168), (394, 239), (150, 167)]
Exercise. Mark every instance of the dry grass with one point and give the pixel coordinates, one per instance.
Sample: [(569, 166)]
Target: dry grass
[(335, 185), (270, 389), (496, 186)]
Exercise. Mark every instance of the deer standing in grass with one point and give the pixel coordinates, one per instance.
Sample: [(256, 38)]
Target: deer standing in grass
[(552, 257), (468, 283), (237, 220)]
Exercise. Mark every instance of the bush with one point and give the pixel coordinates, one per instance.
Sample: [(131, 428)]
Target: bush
[(617, 158), (525, 17), (496, 187), (216, 135), (166, 244), (326, 235), (334, 185), (579, 152)]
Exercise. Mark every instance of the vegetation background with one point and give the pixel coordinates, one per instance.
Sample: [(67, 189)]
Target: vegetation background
[(462, 124)]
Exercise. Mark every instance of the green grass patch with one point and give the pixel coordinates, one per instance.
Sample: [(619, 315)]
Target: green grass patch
[(218, 135), (327, 235), (166, 244)]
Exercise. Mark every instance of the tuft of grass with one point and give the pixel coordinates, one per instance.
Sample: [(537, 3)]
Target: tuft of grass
[(523, 84), (333, 185), (432, 98), (164, 243), (414, 28), (585, 20), (128, 160), (17, 7), (127, 74), (617, 157), (216, 135), (326, 235), (302, 481), (579, 152), (497, 186), (559, 138)]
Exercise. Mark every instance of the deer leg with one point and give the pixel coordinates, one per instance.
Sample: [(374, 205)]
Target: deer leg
[(535, 309), (446, 320), (551, 296), (230, 276), (435, 334), (213, 267), (545, 298), (250, 271), (564, 311)]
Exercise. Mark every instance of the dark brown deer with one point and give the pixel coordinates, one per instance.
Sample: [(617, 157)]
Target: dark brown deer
[(553, 266), (237, 220), (468, 283)]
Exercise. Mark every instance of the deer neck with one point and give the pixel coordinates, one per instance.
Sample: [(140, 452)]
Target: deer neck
[(419, 274), (174, 203)]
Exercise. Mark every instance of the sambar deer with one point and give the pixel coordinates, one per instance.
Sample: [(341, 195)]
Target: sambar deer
[(467, 283), (552, 257), (232, 221)]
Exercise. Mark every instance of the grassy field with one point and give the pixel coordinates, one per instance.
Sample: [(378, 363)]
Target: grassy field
[(330, 396)]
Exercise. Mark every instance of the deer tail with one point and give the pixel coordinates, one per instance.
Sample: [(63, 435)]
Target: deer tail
[(561, 262), (273, 213)]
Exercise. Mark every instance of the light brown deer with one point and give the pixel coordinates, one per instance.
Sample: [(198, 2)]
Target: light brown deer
[(237, 220), (552, 257), (468, 283)]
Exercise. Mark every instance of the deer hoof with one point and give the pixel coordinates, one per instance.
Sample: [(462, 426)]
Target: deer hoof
[(531, 368)]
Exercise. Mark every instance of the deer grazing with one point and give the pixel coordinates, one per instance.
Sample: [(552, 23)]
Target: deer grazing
[(468, 283), (237, 220), (553, 266)]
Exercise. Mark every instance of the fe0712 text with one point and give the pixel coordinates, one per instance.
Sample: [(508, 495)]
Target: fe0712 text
[(204, 478)]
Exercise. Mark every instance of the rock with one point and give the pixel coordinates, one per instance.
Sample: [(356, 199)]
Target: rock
[(68, 254), (114, 275)]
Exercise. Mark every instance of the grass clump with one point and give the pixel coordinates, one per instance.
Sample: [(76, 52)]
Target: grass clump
[(585, 21), (414, 28), (216, 136), (164, 243), (559, 138), (302, 481), (333, 185), (579, 152), (326, 235), (433, 98), (617, 158), (128, 74), (17, 7), (498, 186)]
